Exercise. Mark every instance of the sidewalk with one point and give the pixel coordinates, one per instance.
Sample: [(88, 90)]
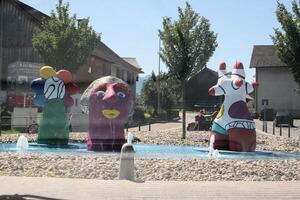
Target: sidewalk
[(62, 188)]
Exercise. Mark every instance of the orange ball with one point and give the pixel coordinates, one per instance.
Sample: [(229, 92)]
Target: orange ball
[(65, 76)]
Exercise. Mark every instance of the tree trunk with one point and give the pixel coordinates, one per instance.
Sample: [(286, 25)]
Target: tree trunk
[(183, 111)]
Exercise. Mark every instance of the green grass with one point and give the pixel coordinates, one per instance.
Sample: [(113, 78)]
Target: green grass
[(13, 131)]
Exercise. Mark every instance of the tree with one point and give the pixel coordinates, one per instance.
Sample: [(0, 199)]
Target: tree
[(188, 44), (64, 41), (149, 93), (287, 39)]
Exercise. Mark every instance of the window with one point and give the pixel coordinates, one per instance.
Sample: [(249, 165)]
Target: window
[(22, 79)]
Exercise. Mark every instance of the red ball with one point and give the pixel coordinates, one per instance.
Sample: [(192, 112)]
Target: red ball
[(65, 76)]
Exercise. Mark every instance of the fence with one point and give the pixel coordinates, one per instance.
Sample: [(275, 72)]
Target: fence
[(281, 130), (29, 124)]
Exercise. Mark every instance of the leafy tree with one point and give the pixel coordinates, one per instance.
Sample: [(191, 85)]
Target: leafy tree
[(149, 93), (63, 41), (287, 39), (188, 44)]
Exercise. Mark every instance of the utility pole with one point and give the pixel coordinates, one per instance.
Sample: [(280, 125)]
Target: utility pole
[(158, 79), (1, 42)]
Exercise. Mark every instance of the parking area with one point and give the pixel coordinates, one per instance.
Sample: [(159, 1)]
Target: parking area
[(284, 131)]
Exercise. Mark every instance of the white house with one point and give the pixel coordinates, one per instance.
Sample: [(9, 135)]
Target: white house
[(277, 88)]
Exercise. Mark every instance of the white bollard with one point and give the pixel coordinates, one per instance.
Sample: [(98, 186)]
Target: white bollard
[(126, 171)]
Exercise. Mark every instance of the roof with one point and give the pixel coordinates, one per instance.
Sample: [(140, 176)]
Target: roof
[(133, 62), (265, 56), (37, 15), (102, 51), (106, 53)]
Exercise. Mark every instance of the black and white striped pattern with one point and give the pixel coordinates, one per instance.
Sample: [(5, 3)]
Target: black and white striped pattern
[(54, 88)]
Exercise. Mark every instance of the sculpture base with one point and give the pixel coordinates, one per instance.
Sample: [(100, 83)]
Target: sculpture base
[(53, 141), (105, 144), (237, 139)]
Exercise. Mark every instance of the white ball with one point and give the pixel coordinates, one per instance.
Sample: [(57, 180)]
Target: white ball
[(54, 88)]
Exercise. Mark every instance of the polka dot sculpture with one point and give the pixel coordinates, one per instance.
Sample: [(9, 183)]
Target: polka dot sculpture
[(233, 127), (53, 92)]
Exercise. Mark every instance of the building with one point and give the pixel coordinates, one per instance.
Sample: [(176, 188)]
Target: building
[(17, 23), (197, 96), (277, 88), (19, 62)]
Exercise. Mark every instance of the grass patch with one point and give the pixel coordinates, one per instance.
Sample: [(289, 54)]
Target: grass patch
[(13, 131)]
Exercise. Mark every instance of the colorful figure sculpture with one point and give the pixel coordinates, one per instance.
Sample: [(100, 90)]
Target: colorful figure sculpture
[(233, 127), (53, 92), (107, 101)]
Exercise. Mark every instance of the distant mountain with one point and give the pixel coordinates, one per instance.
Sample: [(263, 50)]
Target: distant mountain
[(139, 84)]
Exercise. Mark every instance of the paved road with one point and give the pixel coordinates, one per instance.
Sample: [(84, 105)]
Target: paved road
[(62, 188), (190, 117)]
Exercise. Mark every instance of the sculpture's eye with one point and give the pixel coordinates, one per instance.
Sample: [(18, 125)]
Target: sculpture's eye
[(121, 94), (100, 93)]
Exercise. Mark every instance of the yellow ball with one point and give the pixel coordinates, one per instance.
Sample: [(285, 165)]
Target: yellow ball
[(47, 72)]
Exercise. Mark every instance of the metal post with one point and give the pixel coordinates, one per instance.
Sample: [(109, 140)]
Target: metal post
[(158, 81), (289, 131), (139, 127), (0, 122), (273, 128), (149, 125), (280, 132), (265, 117)]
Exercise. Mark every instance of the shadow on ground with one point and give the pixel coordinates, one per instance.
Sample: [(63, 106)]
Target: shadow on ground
[(25, 197)]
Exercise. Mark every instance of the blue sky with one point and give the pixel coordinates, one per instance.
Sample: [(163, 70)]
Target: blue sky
[(130, 27)]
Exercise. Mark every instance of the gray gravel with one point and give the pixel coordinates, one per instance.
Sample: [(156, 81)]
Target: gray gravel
[(91, 167)]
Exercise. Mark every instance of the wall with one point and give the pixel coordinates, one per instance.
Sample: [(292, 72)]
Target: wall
[(17, 28), (278, 86)]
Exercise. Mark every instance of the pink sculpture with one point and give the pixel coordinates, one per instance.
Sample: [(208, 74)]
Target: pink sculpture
[(233, 128), (107, 101)]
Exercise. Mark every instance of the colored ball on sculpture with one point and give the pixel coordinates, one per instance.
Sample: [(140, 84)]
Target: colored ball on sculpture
[(47, 72), (39, 100), (54, 88), (65, 76), (37, 86)]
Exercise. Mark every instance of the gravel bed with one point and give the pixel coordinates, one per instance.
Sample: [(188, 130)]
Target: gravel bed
[(91, 167)]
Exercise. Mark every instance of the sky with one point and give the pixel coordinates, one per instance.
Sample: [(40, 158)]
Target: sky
[(130, 27)]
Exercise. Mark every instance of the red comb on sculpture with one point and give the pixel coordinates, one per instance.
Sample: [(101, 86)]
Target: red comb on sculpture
[(238, 65), (222, 66)]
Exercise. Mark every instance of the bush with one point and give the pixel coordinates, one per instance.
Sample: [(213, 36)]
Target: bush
[(138, 114)]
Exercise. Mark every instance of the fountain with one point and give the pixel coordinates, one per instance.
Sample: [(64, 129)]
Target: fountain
[(212, 153), (108, 102), (129, 138), (22, 143)]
